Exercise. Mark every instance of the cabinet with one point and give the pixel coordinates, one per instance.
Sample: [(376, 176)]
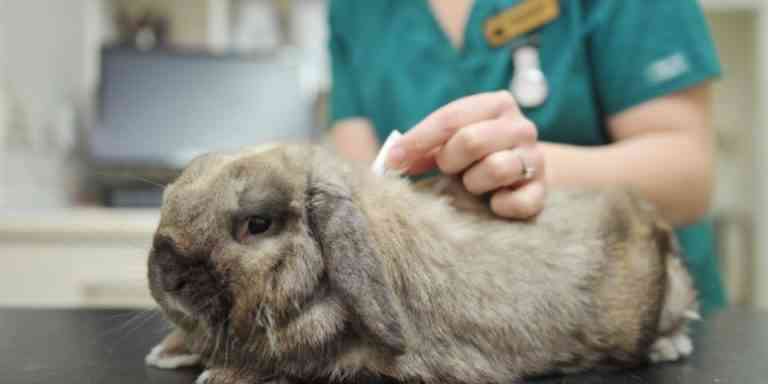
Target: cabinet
[(75, 257)]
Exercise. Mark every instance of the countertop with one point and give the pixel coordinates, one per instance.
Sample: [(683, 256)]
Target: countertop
[(108, 346), (79, 223)]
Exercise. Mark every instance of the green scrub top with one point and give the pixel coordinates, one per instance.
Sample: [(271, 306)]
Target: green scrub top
[(393, 64)]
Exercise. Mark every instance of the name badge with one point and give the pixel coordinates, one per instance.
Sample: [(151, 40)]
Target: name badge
[(521, 18)]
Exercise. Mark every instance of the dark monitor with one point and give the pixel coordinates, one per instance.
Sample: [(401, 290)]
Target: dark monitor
[(160, 109)]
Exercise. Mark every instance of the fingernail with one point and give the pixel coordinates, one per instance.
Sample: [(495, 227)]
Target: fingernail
[(396, 156)]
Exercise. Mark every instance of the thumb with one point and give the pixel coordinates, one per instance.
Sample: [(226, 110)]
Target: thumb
[(411, 166), (422, 165)]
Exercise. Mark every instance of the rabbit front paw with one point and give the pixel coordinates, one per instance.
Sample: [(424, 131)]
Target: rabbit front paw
[(204, 378), (172, 353), (671, 348), (161, 357), (228, 376)]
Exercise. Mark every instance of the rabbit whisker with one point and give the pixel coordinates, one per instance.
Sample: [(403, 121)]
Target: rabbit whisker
[(135, 321), (132, 177)]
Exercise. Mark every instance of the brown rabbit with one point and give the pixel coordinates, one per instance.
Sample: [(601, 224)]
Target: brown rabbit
[(287, 264)]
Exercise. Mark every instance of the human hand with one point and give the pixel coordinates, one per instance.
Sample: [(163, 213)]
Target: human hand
[(487, 140)]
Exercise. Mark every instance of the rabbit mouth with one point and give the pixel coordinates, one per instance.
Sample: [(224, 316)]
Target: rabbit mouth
[(175, 305), (196, 292), (204, 297)]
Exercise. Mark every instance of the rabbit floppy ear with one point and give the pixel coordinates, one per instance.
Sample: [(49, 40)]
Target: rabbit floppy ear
[(353, 268)]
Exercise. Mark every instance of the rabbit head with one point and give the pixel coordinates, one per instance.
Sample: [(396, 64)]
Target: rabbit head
[(252, 243)]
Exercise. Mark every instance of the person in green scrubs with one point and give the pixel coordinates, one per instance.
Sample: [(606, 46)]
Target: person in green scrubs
[(627, 103)]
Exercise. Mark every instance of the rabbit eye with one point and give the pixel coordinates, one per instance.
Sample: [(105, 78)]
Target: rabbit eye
[(253, 224), (257, 225)]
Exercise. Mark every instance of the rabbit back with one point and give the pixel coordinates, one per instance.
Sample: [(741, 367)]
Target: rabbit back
[(582, 285)]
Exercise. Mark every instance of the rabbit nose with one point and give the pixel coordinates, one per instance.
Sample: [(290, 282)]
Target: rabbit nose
[(164, 243), (170, 263), (170, 271)]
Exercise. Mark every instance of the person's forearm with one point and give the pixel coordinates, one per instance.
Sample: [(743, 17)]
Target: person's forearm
[(672, 170), (355, 140)]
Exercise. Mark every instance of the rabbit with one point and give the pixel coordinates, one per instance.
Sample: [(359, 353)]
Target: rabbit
[(285, 263)]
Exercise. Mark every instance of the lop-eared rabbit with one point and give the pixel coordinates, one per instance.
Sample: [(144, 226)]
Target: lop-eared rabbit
[(286, 264)]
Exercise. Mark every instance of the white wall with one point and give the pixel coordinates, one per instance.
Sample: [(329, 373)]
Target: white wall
[(45, 54), (735, 120), (741, 28), (735, 107), (761, 170), (2, 40), (49, 61)]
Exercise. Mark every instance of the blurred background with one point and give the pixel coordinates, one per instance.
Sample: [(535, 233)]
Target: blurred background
[(101, 101)]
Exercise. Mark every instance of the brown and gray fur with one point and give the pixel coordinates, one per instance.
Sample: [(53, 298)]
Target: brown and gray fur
[(363, 275)]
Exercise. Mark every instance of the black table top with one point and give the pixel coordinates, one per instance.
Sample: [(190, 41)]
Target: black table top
[(108, 346)]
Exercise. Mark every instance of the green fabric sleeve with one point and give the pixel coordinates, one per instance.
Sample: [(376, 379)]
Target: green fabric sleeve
[(642, 49), (344, 95)]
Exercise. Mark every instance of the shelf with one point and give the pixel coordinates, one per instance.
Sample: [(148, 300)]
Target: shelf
[(731, 5), (79, 224)]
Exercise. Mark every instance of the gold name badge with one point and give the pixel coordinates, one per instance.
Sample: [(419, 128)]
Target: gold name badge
[(522, 18)]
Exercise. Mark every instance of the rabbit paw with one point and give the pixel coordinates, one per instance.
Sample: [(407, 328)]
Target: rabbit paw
[(227, 376), (161, 357), (204, 378), (671, 348), (172, 353)]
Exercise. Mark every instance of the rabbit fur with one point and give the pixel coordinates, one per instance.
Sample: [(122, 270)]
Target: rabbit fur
[(365, 276)]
